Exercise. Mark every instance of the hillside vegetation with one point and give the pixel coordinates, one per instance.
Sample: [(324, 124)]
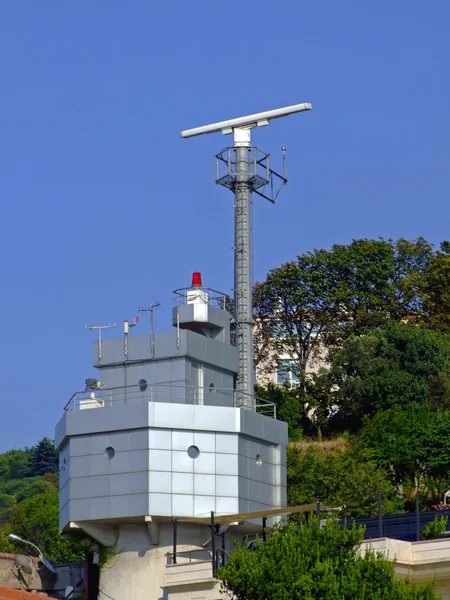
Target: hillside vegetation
[(29, 503), (375, 316)]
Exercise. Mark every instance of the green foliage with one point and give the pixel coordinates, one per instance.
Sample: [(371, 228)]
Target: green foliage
[(21, 489), (385, 368), (436, 290), (36, 520), (44, 458), (25, 474), (14, 464), (7, 504), (352, 478), (107, 553), (289, 404), (5, 544), (413, 445), (312, 305), (432, 530), (395, 438), (29, 502), (315, 562)]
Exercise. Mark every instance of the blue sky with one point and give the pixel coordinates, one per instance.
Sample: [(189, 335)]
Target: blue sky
[(105, 207)]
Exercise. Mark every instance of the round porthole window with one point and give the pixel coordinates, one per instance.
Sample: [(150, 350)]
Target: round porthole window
[(109, 453), (142, 385), (193, 452), (258, 460)]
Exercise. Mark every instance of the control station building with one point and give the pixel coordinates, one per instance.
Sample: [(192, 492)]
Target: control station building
[(160, 443)]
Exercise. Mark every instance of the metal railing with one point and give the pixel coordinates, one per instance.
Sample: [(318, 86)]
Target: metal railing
[(172, 394), (218, 558), (208, 295)]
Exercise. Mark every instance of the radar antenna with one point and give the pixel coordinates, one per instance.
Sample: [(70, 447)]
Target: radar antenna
[(247, 170)]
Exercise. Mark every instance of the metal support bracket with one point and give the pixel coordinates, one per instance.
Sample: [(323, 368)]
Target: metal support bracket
[(262, 179)]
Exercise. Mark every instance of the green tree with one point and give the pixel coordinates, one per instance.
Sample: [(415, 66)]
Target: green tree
[(435, 289), (385, 368), (315, 562), (22, 489), (310, 306), (36, 520), (289, 403), (351, 478), (5, 544), (7, 504), (396, 439), (44, 458), (411, 262), (412, 444), (15, 464)]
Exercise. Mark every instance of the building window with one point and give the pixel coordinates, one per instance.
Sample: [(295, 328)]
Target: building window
[(193, 452), (286, 372), (109, 453)]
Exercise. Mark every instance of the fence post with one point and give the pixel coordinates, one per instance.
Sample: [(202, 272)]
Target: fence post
[(213, 544), (380, 515), (174, 553), (417, 517)]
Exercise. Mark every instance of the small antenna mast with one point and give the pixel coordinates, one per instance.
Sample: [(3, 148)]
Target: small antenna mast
[(150, 310), (100, 328), (126, 330)]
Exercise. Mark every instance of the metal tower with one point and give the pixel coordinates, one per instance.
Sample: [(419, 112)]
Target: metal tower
[(247, 170)]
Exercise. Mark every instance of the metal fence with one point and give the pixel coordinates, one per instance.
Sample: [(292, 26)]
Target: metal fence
[(176, 394), (404, 526)]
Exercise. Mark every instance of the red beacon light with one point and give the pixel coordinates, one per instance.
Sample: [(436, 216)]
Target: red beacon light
[(196, 279)]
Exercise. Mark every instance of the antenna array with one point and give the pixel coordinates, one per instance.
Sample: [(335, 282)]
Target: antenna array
[(247, 171)]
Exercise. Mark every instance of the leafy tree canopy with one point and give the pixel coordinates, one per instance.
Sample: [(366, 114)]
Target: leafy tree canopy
[(36, 520), (385, 368), (396, 438), (435, 289), (14, 464), (289, 403), (352, 478), (315, 303), (315, 562)]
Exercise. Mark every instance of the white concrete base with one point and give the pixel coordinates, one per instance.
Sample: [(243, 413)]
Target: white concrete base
[(417, 561), (138, 569)]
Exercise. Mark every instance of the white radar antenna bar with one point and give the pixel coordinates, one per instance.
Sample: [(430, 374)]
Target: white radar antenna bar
[(250, 121)]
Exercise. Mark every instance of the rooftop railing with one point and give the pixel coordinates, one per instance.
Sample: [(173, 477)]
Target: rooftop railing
[(202, 294), (176, 394)]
